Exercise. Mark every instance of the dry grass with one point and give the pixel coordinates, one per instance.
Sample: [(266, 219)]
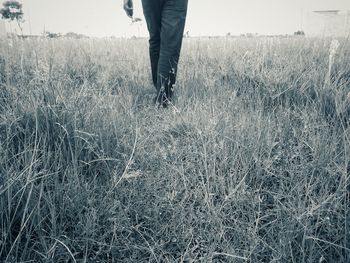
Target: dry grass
[(253, 167)]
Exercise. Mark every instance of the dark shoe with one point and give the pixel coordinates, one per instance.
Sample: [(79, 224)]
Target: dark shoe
[(162, 101), (166, 103)]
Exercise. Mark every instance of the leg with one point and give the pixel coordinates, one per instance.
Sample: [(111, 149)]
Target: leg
[(152, 13), (172, 27)]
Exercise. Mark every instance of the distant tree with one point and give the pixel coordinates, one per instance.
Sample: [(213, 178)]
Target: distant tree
[(52, 35), (12, 10), (299, 33), (75, 35)]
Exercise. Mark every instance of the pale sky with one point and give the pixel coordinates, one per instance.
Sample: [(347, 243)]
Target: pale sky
[(205, 17)]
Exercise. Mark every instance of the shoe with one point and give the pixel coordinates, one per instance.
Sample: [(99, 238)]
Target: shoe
[(162, 101)]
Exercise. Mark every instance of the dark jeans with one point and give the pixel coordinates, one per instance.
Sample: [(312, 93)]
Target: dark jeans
[(165, 22)]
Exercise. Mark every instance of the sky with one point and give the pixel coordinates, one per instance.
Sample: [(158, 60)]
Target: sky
[(102, 18)]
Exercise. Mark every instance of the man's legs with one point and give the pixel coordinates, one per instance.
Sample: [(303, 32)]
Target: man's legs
[(152, 10), (173, 20), (165, 22)]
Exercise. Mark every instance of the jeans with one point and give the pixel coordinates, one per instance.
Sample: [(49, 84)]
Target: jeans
[(165, 22)]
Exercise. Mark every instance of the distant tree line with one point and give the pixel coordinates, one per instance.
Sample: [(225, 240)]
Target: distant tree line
[(67, 35)]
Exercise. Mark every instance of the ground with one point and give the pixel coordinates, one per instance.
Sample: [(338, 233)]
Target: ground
[(251, 164)]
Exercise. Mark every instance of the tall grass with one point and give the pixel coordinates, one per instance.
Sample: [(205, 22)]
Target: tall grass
[(252, 166)]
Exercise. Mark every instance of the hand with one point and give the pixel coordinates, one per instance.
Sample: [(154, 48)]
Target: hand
[(129, 8)]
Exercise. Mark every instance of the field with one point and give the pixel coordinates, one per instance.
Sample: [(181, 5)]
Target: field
[(251, 164)]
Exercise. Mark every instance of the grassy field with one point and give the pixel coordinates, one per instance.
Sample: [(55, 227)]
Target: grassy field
[(251, 166)]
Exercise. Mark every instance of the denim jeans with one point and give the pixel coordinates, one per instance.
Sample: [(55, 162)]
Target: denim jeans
[(165, 22)]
